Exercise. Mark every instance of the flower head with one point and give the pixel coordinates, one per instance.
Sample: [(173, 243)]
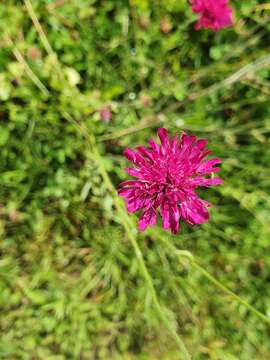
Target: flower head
[(105, 113), (214, 14), (167, 177)]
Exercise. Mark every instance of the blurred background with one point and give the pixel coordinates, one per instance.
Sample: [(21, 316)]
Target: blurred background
[(80, 81)]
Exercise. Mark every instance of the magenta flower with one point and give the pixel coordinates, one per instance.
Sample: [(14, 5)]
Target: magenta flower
[(214, 14), (167, 177)]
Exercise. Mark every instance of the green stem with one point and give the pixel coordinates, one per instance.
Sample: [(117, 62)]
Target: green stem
[(229, 292), (163, 317), (43, 38), (212, 279), (20, 58), (129, 228), (38, 27)]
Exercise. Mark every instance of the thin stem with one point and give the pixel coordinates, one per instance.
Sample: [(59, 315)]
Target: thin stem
[(163, 317), (144, 124), (217, 283), (179, 294), (129, 227), (38, 27), (18, 55), (42, 35), (229, 292)]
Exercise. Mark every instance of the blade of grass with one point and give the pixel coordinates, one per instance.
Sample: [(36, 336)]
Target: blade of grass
[(144, 124), (42, 35), (18, 55), (38, 27)]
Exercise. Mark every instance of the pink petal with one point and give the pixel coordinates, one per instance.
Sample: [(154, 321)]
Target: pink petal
[(126, 192), (164, 139), (165, 214), (136, 203), (206, 167), (145, 152), (133, 172), (154, 146), (149, 218), (174, 219), (130, 183), (198, 147), (130, 155), (199, 181), (194, 212)]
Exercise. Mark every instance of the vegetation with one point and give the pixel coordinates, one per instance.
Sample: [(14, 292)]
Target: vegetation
[(77, 281)]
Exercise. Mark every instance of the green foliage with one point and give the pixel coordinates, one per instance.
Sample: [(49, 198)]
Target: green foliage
[(70, 283)]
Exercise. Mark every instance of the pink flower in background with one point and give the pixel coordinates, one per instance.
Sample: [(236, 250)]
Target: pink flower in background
[(167, 177), (214, 14), (105, 113)]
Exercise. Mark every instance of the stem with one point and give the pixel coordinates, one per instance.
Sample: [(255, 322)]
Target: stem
[(18, 55), (229, 292), (129, 228), (43, 38), (212, 279), (163, 317)]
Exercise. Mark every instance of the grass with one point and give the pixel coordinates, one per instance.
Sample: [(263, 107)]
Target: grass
[(77, 280)]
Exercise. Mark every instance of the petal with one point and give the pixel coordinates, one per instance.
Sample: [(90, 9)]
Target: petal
[(126, 192), (136, 203), (145, 152), (130, 154), (149, 218), (212, 182), (194, 211), (206, 167), (200, 181), (164, 139), (187, 140), (186, 144), (174, 219), (174, 143), (154, 146), (130, 183), (198, 147), (134, 157), (133, 172), (165, 214)]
